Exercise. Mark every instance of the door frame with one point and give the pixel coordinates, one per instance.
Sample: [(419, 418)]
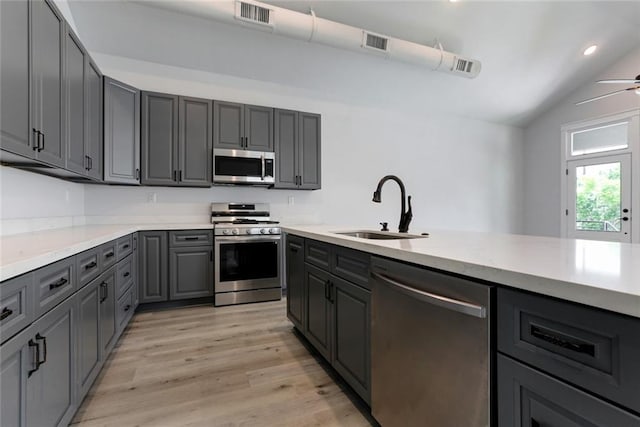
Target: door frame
[(633, 117)]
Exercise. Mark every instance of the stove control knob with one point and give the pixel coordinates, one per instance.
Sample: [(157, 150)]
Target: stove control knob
[(263, 231), (248, 231), (235, 231), (225, 232), (272, 231)]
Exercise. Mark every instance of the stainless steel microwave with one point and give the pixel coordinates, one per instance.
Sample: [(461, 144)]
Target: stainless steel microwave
[(243, 167)]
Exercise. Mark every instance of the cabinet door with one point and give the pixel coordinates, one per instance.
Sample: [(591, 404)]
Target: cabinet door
[(76, 158), (16, 359), (159, 139), (258, 128), (88, 327), (352, 334), (194, 149), (107, 288), (309, 154), (153, 271), (15, 133), (50, 388), (47, 29), (286, 148), (134, 270), (228, 121), (295, 281), (93, 116), (318, 310), (191, 272), (121, 132)]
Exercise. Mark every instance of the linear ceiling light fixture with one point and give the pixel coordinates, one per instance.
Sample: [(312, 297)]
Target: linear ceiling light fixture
[(309, 27)]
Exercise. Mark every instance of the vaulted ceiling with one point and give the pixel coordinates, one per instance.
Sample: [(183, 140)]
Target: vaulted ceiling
[(531, 52)]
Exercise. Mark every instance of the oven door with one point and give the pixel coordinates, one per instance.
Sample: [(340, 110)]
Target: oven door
[(243, 167), (247, 263)]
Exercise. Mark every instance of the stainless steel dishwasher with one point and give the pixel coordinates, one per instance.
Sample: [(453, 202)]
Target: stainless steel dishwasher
[(430, 348)]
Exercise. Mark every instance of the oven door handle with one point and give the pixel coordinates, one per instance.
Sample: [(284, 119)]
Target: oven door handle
[(242, 239)]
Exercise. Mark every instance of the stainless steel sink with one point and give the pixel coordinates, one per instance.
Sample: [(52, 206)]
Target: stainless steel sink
[(379, 235)]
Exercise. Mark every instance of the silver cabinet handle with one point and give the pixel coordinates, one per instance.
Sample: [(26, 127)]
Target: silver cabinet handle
[(434, 299)]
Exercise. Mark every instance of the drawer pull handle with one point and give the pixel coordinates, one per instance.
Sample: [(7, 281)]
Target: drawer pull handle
[(91, 265), (32, 343), (191, 238), (126, 246), (109, 255), (59, 283), (6, 312), (127, 274), (557, 339), (127, 307)]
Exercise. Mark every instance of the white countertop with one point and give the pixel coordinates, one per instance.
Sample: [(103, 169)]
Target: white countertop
[(596, 273), (21, 253)]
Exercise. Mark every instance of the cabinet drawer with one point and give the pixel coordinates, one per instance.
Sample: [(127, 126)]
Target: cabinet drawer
[(89, 265), (190, 238), (124, 246), (124, 275), (594, 349), (527, 398), (318, 254), (351, 265), (108, 256), (16, 305), (124, 309), (53, 283)]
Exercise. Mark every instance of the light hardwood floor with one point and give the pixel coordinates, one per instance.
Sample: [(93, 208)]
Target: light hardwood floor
[(206, 366)]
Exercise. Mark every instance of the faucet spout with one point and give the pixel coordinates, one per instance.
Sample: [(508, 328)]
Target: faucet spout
[(405, 217)]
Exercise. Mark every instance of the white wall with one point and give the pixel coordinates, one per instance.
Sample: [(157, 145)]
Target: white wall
[(542, 145), (461, 173), (30, 202)]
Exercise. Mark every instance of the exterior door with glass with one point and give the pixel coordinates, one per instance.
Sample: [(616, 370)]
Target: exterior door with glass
[(599, 198)]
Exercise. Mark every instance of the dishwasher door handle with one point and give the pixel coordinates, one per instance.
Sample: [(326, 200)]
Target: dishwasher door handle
[(434, 299)]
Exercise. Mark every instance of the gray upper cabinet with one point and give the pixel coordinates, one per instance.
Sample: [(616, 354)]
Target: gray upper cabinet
[(242, 127), (195, 157), (93, 119), (77, 158), (297, 147), (153, 268), (159, 138), (176, 140), (14, 78), (121, 132), (47, 94)]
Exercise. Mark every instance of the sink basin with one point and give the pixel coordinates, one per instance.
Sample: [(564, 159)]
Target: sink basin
[(379, 235)]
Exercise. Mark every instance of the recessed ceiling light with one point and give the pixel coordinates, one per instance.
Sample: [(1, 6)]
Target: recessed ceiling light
[(588, 51), (453, 1)]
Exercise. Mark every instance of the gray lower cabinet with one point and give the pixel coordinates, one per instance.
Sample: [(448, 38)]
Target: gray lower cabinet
[(297, 147), (15, 133), (191, 272), (47, 83), (121, 132), (16, 305), (37, 373), (333, 313), (107, 310), (135, 269), (242, 127), (176, 140), (153, 266), (352, 334), (88, 328), (295, 281)]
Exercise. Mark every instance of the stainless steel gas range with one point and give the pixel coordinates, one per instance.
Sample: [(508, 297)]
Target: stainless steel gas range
[(247, 253)]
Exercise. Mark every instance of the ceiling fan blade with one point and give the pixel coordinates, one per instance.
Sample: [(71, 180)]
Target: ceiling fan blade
[(606, 95), (629, 81)]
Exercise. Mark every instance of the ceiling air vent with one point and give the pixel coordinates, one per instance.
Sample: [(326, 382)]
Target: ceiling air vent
[(376, 42), (253, 13)]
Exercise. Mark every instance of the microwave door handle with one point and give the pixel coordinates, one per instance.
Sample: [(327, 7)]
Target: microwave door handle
[(263, 167)]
